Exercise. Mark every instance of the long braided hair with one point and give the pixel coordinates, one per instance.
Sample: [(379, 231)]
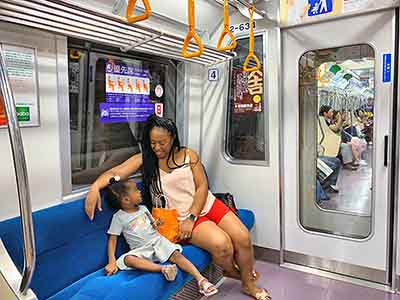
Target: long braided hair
[(151, 168)]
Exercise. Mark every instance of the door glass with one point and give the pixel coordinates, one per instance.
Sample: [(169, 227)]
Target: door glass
[(336, 135)]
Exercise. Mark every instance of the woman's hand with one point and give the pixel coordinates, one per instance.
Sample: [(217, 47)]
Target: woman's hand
[(111, 269), (93, 199), (186, 228)]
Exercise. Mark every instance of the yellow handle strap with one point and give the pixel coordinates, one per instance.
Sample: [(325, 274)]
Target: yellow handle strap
[(131, 8), (226, 32), (192, 35), (251, 55)]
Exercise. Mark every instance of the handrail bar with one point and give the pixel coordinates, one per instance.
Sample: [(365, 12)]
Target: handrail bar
[(21, 175)]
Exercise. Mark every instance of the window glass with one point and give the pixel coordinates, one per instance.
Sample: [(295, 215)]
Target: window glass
[(246, 127), (337, 100), (110, 98)]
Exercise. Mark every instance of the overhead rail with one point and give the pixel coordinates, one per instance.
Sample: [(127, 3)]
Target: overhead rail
[(251, 55), (68, 18), (21, 174), (226, 31), (192, 34), (131, 8), (237, 3)]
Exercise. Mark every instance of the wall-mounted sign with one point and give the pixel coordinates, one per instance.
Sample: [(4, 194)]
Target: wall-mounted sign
[(22, 73), (303, 11), (241, 28), (213, 74), (248, 91), (387, 68)]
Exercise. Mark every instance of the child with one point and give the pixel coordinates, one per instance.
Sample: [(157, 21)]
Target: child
[(146, 245)]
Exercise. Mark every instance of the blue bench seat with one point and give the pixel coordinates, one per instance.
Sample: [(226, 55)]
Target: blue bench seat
[(72, 253)]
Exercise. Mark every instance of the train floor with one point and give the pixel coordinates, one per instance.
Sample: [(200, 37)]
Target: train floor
[(286, 284), (355, 189)]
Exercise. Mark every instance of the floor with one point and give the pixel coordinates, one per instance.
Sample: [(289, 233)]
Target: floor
[(285, 284), (355, 193)]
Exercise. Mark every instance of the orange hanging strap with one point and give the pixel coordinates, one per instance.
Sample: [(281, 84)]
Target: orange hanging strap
[(192, 35), (226, 31), (251, 55), (131, 8)]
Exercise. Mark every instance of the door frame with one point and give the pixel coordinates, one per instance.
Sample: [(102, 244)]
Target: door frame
[(337, 268)]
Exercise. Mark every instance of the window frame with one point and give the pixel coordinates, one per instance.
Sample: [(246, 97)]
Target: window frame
[(225, 153), (68, 193)]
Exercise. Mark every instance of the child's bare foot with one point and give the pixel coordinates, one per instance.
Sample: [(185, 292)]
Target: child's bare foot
[(169, 272)]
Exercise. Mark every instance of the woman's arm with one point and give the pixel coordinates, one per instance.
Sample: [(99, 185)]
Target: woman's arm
[(200, 196), (200, 180), (111, 268), (124, 170)]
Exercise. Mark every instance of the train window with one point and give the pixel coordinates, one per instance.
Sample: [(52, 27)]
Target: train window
[(110, 98), (246, 122), (337, 98)]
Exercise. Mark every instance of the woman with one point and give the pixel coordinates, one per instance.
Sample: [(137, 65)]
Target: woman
[(175, 175)]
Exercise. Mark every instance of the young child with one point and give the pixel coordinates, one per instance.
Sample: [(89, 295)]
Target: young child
[(146, 245)]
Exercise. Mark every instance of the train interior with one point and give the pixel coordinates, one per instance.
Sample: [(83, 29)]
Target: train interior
[(292, 106)]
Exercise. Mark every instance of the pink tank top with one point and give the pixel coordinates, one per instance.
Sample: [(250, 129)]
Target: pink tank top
[(179, 189)]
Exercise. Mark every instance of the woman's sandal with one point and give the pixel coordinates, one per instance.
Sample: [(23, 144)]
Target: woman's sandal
[(169, 272), (261, 295), (206, 288)]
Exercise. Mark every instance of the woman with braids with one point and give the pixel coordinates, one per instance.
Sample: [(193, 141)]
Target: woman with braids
[(175, 174)]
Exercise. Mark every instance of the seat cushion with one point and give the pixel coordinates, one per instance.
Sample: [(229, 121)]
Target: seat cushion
[(132, 285)]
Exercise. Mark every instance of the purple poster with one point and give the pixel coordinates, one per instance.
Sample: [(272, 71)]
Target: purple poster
[(126, 84), (119, 112)]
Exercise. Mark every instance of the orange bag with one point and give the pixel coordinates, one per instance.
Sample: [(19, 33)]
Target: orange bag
[(169, 227)]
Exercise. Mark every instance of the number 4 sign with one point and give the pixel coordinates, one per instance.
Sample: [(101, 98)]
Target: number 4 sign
[(213, 74)]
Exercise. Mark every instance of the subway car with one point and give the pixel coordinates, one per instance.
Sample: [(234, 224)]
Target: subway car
[(194, 149)]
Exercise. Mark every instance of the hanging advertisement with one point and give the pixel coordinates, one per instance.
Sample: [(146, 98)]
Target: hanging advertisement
[(22, 73), (248, 90), (127, 94), (302, 11)]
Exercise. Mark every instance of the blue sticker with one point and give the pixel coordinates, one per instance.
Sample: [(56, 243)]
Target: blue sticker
[(320, 7), (387, 67)]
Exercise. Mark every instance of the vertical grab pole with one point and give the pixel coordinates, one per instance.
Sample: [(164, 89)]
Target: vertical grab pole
[(21, 177)]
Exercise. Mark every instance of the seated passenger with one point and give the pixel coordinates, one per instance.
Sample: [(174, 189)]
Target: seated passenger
[(329, 185), (146, 245), (176, 172)]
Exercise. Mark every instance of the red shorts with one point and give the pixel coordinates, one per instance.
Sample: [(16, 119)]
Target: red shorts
[(217, 212)]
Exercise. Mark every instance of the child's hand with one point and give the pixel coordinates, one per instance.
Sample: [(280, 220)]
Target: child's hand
[(157, 223), (111, 269)]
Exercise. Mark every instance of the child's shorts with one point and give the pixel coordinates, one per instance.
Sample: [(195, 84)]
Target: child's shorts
[(159, 250)]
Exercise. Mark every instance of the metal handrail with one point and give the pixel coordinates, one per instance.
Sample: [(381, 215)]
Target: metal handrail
[(21, 177)]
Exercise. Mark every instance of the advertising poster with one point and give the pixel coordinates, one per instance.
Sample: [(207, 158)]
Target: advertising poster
[(3, 120), (127, 94), (22, 73), (247, 91)]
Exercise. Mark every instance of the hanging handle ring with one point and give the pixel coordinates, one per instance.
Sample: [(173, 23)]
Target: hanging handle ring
[(131, 7), (226, 31), (192, 35), (251, 55)]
